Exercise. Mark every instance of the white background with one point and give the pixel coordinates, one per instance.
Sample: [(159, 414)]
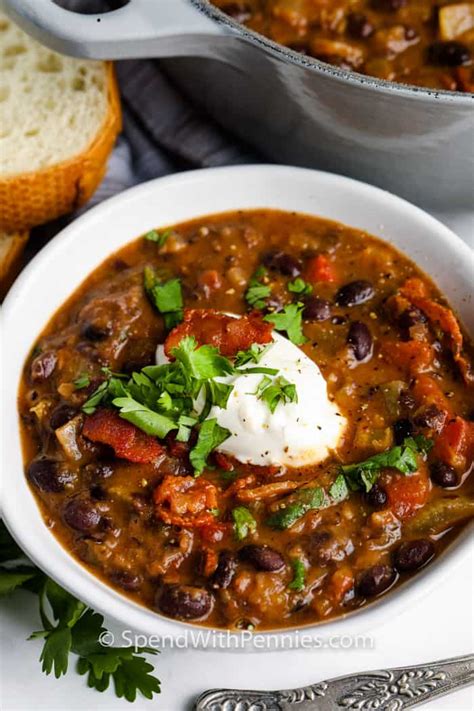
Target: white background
[(440, 626)]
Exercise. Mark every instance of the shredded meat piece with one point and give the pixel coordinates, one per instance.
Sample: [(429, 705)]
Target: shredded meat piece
[(127, 441), (186, 501), (226, 333)]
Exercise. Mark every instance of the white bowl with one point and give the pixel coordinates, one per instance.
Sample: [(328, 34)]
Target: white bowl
[(61, 267)]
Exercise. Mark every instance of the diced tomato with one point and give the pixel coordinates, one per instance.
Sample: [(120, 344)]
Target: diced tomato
[(426, 391), (226, 333), (406, 494), (411, 356), (186, 501), (319, 269), (340, 583), (455, 444), (215, 532), (223, 462), (127, 441)]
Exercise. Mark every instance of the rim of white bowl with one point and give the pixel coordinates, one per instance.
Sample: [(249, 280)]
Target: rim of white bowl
[(19, 508)]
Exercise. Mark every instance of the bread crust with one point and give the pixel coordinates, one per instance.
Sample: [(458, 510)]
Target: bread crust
[(30, 199), (10, 258)]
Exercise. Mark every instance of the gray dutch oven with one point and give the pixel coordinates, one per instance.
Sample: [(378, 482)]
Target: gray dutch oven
[(416, 142)]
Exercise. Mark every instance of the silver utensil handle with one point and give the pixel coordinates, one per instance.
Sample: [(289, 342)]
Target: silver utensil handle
[(384, 690)]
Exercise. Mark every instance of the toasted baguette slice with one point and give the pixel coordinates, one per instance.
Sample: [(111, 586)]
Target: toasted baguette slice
[(11, 249), (59, 118)]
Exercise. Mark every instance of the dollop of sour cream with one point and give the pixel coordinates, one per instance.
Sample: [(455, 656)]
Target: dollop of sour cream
[(297, 433)]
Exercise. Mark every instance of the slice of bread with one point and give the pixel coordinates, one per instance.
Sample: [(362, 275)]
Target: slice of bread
[(11, 249), (59, 118)]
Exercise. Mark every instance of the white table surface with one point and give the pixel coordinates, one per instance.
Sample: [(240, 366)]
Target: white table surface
[(439, 626)]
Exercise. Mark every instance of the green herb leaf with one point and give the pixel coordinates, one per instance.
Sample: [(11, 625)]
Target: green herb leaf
[(203, 362), (244, 522), (290, 321), (211, 435), (96, 398), (257, 293), (338, 491), (299, 575), (158, 237), (254, 354), (55, 652), (299, 286), (296, 506), (83, 381), (11, 580), (272, 392), (166, 296), (153, 423), (363, 475)]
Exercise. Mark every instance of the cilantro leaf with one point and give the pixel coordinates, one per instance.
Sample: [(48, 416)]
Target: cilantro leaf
[(254, 354), (296, 506), (244, 522), (299, 575), (153, 423), (272, 392), (83, 381), (12, 579), (55, 652), (96, 398), (166, 296), (159, 238), (257, 293), (211, 435), (363, 475), (203, 362), (299, 286), (338, 491), (290, 321)]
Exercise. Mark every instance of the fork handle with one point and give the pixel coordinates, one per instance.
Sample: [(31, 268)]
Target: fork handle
[(385, 690)]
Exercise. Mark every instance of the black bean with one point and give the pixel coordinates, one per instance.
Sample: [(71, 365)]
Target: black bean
[(284, 263), (412, 555), (184, 602), (49, 475), (99, 470), (375, 580), (98, 493), (431, 417), (358, 26), (225, 570), (60, 415), (402, 429), (127, 581), (262, 557), (360, 340), (81, 514), (388, 5), (95, 332), (443, 475), (316, 309), (377, 497), (43, 366), (411, 317), (355, 293), (450, 54)]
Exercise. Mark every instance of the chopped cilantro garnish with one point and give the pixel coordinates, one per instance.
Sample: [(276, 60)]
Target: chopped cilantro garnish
[(166, 296), (300, 286), (254, 354), (147, 420), (338, 490), (257, 293), (203, 362), (299, 575), (244, 522), (272, 392), (296, 506), (158, 237), (290, 321), (83, 381), (211, 435)]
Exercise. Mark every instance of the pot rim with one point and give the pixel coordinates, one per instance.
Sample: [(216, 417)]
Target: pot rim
[(364, 81)]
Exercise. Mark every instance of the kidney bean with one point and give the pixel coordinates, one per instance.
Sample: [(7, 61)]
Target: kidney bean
[(360, 340), (127, 581), (355, 293), (262, 557), (60, 415), (184, 602), (284, 263), (443, 475), (316, 309), (402, 429), (375, 580), (412, 555), (222, 577), (49, 475), (358, 26), (43, 366), (450, 54), (377, 497), (81, 514)]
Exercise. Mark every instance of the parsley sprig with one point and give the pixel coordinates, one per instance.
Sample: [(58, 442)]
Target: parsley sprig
[(290, 321), (166, 296), (258, 292), (276, 391), (71, 628)]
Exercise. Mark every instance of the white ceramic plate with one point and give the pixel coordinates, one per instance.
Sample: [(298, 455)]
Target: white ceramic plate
[(60, 268)]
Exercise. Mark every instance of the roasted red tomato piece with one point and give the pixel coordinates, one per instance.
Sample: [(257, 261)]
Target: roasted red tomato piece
[(127, 441), (186, 501), (226, 333), (455, 444), (406, 494)]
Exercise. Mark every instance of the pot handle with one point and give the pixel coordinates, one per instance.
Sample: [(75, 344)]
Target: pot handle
[(142, 28)]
